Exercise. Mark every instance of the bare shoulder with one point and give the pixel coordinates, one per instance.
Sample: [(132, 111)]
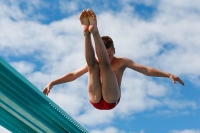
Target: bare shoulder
[(129, 63), (134, 66), (118, 59), (122, 61)]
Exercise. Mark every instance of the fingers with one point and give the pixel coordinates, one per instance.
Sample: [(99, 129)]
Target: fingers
[(175, 78), (174, 82), (46, 91), (172, 79), (180, 81)]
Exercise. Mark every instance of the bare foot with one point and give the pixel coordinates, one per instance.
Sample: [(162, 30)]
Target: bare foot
[(84, 21), (92, 20)]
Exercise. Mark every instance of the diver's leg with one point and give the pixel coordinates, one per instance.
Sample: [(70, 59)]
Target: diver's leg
[(110, 87), (94, 84)]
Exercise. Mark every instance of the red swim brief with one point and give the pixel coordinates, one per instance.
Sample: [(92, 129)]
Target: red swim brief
[(103, 105)]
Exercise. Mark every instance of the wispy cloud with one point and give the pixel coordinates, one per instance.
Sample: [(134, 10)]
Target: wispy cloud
[(3, 130), (68, 6), (107, 130), (113, 130), (185, 131), (23, 67)]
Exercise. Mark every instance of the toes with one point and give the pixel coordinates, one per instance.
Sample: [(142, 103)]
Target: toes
[(83, 14), (90, 13), (86, 13)]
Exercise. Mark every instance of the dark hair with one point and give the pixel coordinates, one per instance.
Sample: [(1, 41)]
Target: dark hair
[(108, 42)]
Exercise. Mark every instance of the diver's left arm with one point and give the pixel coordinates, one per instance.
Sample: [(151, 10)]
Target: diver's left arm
[(149, 71)]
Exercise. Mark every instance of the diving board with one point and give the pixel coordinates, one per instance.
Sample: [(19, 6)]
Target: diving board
[(24, 108)]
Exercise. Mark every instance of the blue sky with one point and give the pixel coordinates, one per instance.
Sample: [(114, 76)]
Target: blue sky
[(43, 40)]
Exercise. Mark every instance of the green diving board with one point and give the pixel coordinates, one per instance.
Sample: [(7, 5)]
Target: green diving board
[(24, 108)]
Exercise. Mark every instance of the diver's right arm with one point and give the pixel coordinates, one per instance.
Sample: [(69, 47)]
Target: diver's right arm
[(66, 78)]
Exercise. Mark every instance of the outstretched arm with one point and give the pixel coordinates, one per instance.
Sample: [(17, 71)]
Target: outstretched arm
[(66, 78), (149, 71)]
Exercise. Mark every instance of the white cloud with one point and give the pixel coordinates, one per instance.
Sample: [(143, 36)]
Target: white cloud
[(72, 100), (113, 130), (94, 117), (138, 95), (22, 9), (4, 130), (185, 131), (171, 113), (107, 130), (145, 2), (68, 6), (183, 5), (180, 104), (23, 67), (10, 9)]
